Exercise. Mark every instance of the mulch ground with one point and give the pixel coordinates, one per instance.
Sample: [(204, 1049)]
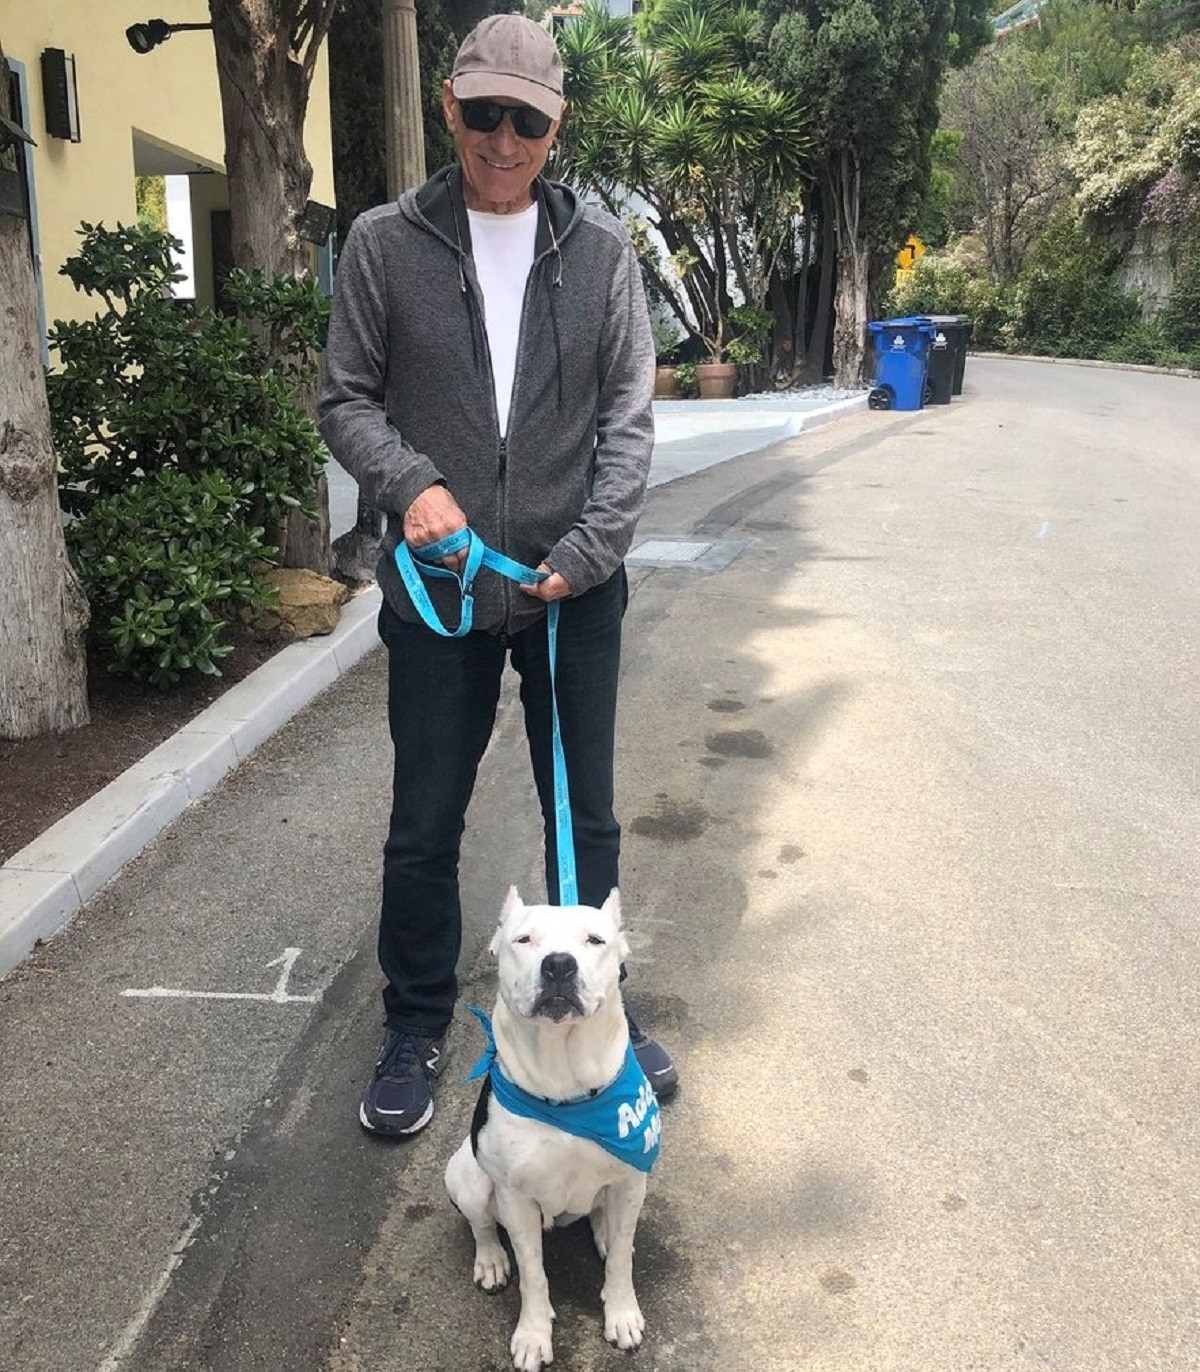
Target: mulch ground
[(46, 778)]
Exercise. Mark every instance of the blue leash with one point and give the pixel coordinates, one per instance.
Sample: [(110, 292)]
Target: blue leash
[(413, 565)]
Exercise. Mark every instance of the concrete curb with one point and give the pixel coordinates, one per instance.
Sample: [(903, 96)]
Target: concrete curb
[(1091, 362), (817, 419), (43, 885)]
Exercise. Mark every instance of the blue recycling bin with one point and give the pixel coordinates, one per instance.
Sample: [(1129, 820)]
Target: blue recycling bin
[(901, 362)]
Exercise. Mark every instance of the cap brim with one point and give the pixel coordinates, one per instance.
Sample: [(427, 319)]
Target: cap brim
[(479, 85)]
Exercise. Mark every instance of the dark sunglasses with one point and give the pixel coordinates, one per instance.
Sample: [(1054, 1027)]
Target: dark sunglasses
[(485, 116)]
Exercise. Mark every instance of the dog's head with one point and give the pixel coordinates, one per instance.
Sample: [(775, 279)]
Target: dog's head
[(559, 961)]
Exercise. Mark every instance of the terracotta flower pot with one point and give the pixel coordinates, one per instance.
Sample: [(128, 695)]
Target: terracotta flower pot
[(666, 384), (716, 380)]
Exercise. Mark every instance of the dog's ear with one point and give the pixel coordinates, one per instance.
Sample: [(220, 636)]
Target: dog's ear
[(612, 908), (512, 902)]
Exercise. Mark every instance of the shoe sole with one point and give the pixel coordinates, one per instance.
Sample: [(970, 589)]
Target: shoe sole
[(394, 1133)]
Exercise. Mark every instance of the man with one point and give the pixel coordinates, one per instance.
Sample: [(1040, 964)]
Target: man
[(490, 364)]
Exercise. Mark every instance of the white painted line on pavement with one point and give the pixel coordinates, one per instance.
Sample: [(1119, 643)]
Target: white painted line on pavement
[(279, 996)]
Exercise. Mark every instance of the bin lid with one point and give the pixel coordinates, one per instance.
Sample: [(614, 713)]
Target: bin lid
[(920, 324)]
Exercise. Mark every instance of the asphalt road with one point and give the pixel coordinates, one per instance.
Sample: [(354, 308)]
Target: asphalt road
[(909, 772)]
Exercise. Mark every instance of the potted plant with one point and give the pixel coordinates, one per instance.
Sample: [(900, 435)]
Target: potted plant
[(666, 382), (666, 342), (717, 378)]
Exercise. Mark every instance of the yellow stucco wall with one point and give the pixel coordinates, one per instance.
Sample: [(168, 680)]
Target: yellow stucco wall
[(167, 97)]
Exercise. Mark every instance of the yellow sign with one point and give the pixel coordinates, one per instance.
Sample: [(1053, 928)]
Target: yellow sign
[(906, 258)]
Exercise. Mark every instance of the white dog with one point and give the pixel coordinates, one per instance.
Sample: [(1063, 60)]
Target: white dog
[(567, 1124)]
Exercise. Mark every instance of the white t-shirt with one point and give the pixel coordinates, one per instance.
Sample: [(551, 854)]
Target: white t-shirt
[(503, 247)]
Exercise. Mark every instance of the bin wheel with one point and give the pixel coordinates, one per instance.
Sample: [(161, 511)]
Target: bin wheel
[(880, 398), (927, 394)]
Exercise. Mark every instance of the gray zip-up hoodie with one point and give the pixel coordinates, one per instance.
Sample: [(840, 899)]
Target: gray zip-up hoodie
[(407, 396)]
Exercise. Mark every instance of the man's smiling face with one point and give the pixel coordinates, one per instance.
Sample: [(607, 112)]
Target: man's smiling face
[(498, 167)]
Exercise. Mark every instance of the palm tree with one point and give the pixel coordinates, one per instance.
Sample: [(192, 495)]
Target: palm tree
[(688, 140)]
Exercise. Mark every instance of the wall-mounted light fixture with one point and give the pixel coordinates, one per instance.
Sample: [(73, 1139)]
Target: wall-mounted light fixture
[(59, 94), (143, 38)]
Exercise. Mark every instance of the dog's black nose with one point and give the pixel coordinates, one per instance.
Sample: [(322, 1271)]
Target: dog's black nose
[(559, 967)]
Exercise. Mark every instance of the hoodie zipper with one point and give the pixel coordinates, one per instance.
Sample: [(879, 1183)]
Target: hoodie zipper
[(502, 500)]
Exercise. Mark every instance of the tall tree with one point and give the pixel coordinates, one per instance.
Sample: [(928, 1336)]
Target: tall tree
[(708, 153), (873, 71), (43, 611), (1011, 157), (267, 52)]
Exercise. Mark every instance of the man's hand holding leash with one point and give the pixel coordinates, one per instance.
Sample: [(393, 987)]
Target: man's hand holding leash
[(434, 515), (555, 587)]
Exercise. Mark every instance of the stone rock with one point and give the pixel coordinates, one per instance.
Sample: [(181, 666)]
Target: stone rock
[(308, 605)]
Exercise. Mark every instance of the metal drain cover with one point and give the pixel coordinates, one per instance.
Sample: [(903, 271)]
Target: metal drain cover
[(686, 553), (667, 552)]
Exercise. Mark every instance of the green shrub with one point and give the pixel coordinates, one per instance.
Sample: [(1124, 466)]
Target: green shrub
[(990, 310), (1066, 302), (153, 388), (1179, 319), (165, 562), (933, 286), (1142, 344), (685, 376), (938, 285)]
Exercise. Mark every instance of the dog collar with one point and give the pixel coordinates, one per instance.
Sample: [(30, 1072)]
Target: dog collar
[(623, 1117)]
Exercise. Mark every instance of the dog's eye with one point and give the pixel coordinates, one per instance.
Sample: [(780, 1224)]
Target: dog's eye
[(596, 940), (524, 938)]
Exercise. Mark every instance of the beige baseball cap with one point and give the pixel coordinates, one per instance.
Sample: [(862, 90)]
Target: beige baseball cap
[(510, 55)]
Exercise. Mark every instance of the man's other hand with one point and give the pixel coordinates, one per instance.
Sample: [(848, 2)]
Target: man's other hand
[(555, 587)]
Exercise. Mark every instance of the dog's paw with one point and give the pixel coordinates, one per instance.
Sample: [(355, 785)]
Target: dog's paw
[(491, 1267), (531, 1348), (624, 1326)]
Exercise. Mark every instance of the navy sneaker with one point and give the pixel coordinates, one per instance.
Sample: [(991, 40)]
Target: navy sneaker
[(399, 1100), (654, 1060)]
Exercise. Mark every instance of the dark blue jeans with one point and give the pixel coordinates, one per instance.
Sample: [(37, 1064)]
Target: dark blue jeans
[(442, 698)]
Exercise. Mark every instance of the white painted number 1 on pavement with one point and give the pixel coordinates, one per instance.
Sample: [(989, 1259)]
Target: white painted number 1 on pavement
[(279, 996)]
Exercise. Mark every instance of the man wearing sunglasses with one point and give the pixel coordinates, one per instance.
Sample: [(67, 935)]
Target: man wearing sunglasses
[(489, 364)]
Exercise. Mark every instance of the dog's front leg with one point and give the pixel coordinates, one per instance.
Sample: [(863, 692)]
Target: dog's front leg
[(531, 1343), (623, 1322), (472, 1194)]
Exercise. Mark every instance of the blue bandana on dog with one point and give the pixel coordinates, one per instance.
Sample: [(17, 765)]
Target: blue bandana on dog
[(623, 1118)]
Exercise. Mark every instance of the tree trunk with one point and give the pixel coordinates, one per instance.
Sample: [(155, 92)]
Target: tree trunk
[(818, 338), (264, 98), (850, 325), (43, 611), (264, 85), (853, 277), (357, 551)]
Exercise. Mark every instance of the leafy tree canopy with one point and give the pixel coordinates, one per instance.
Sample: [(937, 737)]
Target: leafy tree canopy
[(1126, 143), (713, 152)]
